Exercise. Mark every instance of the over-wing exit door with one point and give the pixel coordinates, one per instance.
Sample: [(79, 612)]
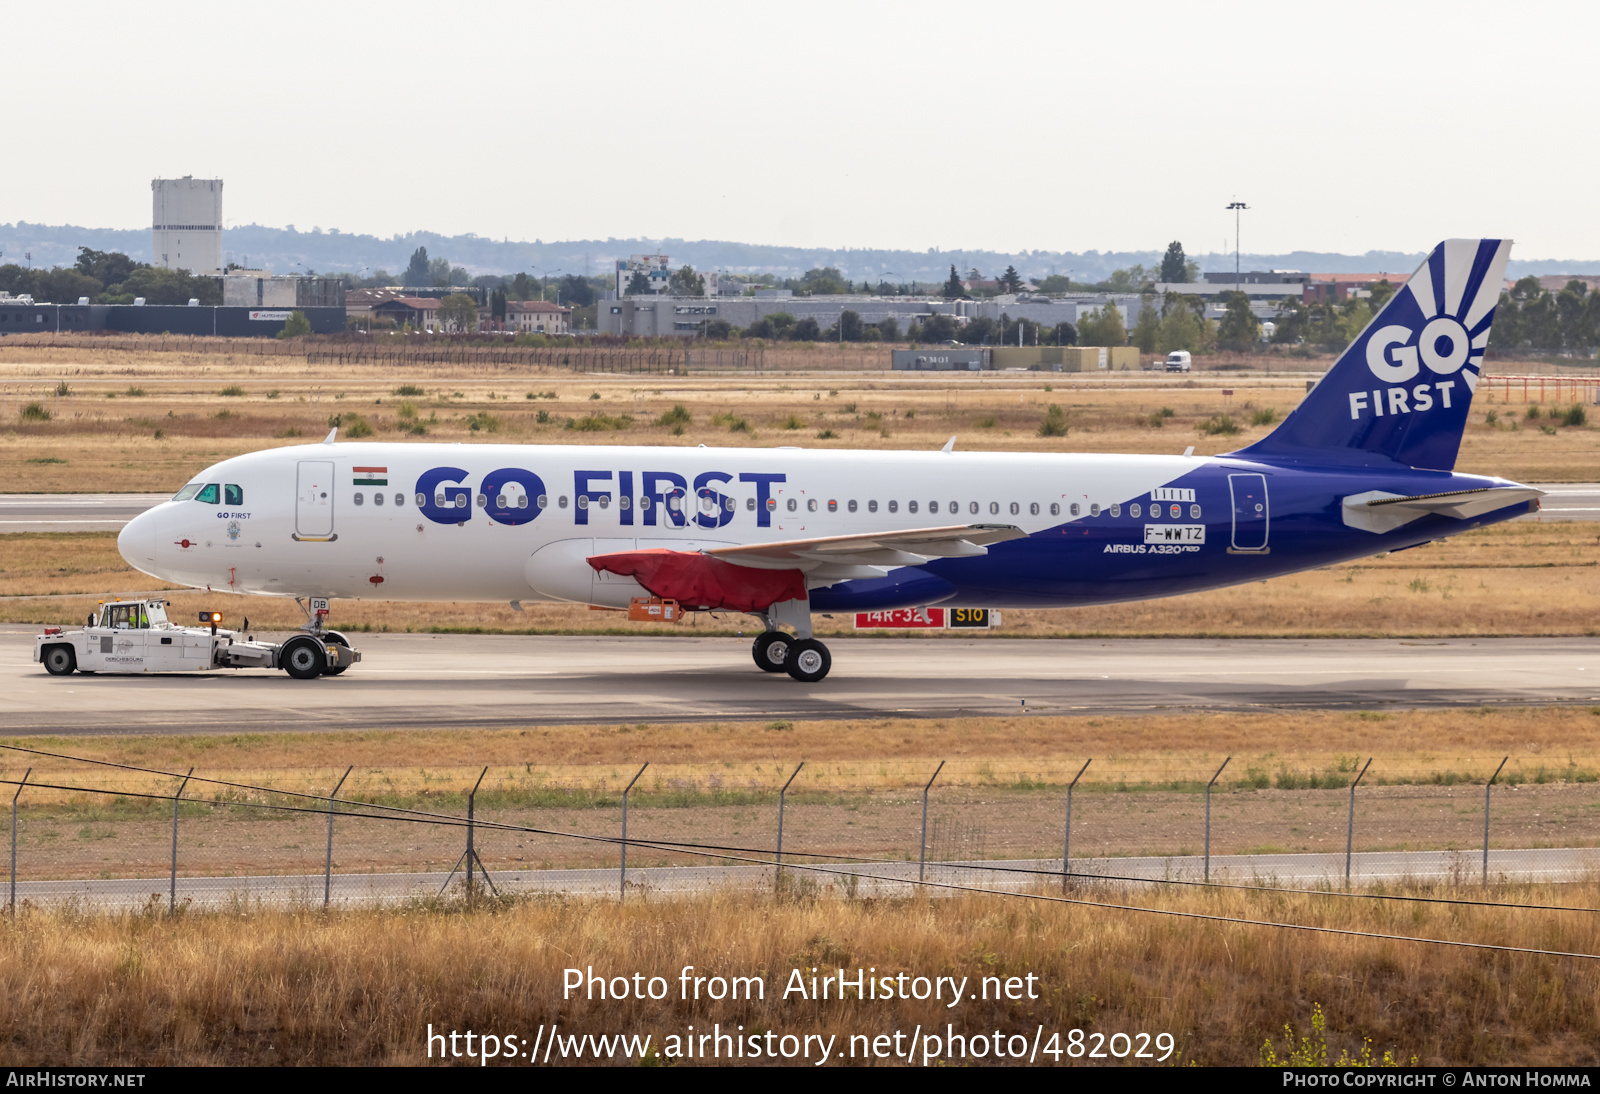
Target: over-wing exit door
[(1250, 512), (313, 510)]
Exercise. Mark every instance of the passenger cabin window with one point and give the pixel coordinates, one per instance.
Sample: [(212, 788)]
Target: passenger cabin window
[(359, 498), (793, 505), (232, 495), (1033, 508), (1055, 509), (210, 494), (872, 507), (933, 507), (894, 506), (911, 506), (187, 492), (1134, 509), (1116, 510), (852, 505)]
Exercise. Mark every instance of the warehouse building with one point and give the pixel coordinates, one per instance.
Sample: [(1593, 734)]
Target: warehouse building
[(20, 315)]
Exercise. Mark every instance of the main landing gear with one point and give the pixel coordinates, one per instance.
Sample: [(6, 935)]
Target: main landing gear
[(805, 659), (800, 655)]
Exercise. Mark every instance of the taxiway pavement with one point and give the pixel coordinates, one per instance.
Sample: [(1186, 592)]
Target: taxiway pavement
[(427, 681)]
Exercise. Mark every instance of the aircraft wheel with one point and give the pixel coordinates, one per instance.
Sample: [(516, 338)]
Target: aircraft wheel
[(303, 660), (771, 650), (808, 660), (60, 660)]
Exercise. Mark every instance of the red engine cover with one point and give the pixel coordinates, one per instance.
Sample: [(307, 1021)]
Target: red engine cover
[(700, 581)]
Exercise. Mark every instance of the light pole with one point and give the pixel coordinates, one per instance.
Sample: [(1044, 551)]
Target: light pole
[(544, 282), (1237, 207)]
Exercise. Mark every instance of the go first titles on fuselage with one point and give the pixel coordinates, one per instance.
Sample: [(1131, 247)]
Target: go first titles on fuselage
[(515, 495)]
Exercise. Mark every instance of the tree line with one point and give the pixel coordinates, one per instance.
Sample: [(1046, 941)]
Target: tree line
[(1532, 318), (109, 277)]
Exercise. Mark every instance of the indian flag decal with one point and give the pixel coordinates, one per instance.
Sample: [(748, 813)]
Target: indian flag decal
[(371, 476)]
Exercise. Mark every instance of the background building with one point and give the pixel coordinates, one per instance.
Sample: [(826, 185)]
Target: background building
[(186, 224), (643, 316), (257, 289), (537, 317), (17, 317)]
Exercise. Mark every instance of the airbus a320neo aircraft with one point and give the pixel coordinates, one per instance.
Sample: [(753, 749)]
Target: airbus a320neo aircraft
[(1362, 466)]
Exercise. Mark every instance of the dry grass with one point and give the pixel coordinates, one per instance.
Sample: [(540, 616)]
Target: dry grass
[(104, 438), (1144, 752), (1524, 578), (303, 987)]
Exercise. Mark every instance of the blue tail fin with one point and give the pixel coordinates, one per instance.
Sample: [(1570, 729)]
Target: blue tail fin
[(1402, 389)]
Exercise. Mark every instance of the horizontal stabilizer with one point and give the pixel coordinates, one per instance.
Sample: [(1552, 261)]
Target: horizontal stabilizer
[(1379, 511)]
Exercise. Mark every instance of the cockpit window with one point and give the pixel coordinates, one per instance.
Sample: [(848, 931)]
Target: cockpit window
[(187, 492), (211, 493), (232, 495)]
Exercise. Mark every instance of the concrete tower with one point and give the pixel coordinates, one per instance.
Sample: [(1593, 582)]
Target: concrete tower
[(186, 224)]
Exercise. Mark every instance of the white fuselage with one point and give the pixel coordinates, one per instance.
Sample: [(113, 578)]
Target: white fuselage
[(344, 519)]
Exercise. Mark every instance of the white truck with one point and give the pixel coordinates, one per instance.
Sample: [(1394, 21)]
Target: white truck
[(1179, 361), (135, 636)]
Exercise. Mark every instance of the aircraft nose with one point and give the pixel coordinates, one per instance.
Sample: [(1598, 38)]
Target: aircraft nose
[(137, 540)]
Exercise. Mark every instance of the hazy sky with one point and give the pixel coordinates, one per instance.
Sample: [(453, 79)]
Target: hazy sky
[(1067, 126)]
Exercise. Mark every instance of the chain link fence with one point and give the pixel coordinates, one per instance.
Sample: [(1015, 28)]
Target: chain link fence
[(102, 835)]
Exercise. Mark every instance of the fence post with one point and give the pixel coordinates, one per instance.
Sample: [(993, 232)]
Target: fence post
[(172, 891), (1209, 785), (14, 797), (327, 872), (1350, 828), (778, 874), (1066, 842), (472, 852), (622, 884), (922, 857), (1486, 788)]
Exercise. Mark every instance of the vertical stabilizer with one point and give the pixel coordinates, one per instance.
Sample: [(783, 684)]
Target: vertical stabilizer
[(1401, 391)]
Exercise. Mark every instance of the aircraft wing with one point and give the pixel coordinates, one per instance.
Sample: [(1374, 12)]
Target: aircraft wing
[(910, 547), (1381, 511)]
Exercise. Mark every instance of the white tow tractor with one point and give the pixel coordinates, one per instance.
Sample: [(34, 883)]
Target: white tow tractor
[(135, 636)]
